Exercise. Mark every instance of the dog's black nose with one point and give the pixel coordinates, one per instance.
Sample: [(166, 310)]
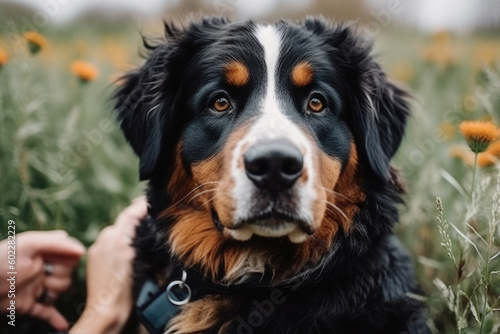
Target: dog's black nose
[(273, 166)]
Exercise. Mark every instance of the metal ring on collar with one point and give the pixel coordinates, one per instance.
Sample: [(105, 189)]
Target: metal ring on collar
[(181, 284)]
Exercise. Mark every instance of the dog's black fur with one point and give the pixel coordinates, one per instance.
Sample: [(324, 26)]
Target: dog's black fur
[(363, 280)]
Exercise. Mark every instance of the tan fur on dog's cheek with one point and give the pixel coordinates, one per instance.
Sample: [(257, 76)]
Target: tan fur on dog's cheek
[(349, 186), (192, 192), (179, 186), (223, 201), (207, 175), (344, 182), (319, 208), (224, 205), (195, 240), (201, 315), (330, 171)]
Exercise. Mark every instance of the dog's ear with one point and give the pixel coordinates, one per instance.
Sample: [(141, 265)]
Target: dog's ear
[(377, 108), (140, 124), (146, 101), (379, 118)]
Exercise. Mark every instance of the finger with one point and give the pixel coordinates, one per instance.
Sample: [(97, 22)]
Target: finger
[(60, 268), (138, 209), (50, 315), (57, 284), (55, 243), (58, 259), (131, 216), (140, 199), (33, 271)]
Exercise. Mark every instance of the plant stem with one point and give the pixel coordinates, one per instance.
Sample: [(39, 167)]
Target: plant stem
[(486, 283), (473, 180), (457, 308)]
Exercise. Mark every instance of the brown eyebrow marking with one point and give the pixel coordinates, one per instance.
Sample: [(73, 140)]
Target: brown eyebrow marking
[(237, 74), (302, 74)]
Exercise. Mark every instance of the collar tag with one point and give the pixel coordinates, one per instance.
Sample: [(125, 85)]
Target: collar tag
[(157, 307)]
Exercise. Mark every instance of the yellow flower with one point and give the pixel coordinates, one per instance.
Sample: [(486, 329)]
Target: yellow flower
[(491, 156), (36, 42), (85, 71), (479, 134), (4, 58)]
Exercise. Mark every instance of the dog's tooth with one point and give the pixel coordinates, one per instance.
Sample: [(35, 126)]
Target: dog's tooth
[(297, 236), (243, 233)]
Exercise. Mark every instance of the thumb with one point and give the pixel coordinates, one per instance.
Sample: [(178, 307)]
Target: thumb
[(54, 243), (51, 315)]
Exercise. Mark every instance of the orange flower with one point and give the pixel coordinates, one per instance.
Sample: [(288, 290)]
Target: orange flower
[(4, 58), (479, 134), (440, 51), (442, 37), (84, 71), (462, 153), (494, 148), (403, 71), (485, 159), (491, 156), (485, 53), (447, 130), (36, 42), (441, 55)]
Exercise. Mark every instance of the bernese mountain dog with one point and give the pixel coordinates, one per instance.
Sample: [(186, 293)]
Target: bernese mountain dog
[(272, 200)]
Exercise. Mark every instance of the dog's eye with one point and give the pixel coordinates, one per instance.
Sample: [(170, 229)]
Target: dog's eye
[(221, 104), (315, 105)]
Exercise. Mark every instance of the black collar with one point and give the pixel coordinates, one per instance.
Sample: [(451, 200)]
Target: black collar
[(157, 305)]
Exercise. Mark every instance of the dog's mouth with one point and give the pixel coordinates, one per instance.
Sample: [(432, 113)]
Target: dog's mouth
[(271, 223)]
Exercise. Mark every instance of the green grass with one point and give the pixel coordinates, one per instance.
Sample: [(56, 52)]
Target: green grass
[(61, 167)]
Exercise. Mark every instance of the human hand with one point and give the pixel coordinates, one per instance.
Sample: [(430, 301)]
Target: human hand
[(109, 274), (44, 263)]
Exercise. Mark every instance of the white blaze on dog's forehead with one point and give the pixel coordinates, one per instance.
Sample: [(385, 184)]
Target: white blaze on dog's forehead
[(270, 40)]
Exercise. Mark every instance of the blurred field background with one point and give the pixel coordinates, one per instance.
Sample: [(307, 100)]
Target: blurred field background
[(64, 164)]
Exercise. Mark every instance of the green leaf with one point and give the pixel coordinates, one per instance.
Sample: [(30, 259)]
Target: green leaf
[(467, 240)]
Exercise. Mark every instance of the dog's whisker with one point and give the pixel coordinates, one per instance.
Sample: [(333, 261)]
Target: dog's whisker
[(339, 210), (336, 193), (207, 191), (192, 191), (201, 193)]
